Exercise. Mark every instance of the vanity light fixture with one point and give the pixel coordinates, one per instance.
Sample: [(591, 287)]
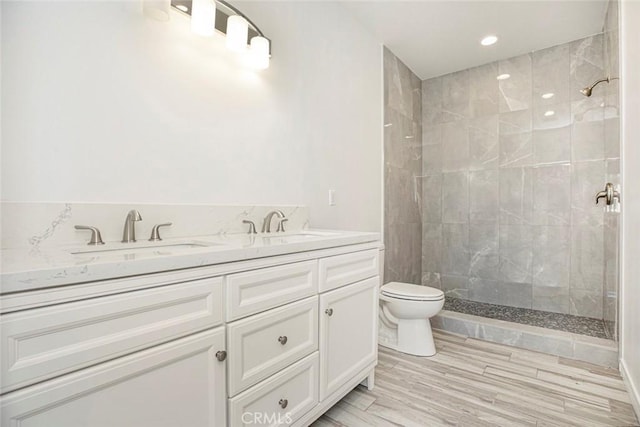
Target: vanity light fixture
[(237, 33), (549, 113), (489, 40), (242, 35), (504, 76), (548, 95), (203, 17)]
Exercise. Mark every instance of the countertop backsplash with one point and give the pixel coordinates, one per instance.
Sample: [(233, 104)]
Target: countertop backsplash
[(30, 224)]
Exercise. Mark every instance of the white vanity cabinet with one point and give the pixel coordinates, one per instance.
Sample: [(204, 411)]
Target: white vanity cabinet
[(348, 341), (270, 341)]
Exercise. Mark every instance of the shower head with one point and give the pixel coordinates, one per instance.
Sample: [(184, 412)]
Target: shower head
[(587, 90)]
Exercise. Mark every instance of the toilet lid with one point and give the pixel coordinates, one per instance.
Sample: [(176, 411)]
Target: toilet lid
[(411, 291)]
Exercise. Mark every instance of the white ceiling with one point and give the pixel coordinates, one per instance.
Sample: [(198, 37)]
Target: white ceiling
[(435, 37)]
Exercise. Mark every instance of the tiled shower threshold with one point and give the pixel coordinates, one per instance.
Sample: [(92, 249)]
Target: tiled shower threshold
[(544, 319)]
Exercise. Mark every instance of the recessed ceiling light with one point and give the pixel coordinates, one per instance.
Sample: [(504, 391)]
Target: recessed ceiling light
[(183, 8), (504, 76), (549, 113), (488, 41), (547, 95)]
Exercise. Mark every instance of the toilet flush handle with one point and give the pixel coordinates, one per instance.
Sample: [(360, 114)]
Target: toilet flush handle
[(329, 312)]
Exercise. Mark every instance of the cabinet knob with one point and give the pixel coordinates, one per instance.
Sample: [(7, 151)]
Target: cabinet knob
[(282, 339), (329, 311), (221, 355), (283, 403)]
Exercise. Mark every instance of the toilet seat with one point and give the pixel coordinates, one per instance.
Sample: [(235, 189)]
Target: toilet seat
[(411, 292)]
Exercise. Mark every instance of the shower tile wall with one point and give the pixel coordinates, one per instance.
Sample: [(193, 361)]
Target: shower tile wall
[(509, 178), (403, 169), (612, 153)]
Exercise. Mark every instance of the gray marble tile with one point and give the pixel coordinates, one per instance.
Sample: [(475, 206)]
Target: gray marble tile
[(551, 75), (587, 258), (431, 248), (432, 198), (587, 64), (551, 298), (403, 147), (553, 116), (455, 249), (483, 142), (483, 90), (431, 278), (455, 146), (587, 178), (515, 92), (403, 253), (585, 303), (497, 334), (516, 196), (552, 195), (546, 344), (484, 257), (499, 292), (612, 138), (455, 197), (587, 130), (552, 145), (455, 286), (516, 253), (401, 204), (515, 139), (432, 101), (455, 96), (431, 159), (402, 87), (551, 256), (484, 204)]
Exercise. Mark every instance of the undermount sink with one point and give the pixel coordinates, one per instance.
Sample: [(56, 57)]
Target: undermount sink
[(305, 235), (148, 248)]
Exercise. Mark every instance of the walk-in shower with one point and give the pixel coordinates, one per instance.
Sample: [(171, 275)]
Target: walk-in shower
[(508, 169)]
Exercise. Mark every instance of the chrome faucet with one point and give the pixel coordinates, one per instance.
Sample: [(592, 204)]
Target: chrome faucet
[(129, 233), (266, 224)]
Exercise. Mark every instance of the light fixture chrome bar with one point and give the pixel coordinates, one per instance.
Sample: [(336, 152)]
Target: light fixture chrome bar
[(224, 10)]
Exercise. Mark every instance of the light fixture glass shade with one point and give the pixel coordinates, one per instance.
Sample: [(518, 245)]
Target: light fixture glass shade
[(260, 52), (156, 9), (237, 33), (203, 17)]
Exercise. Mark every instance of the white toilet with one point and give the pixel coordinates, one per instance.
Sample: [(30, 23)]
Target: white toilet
[(409, 307)]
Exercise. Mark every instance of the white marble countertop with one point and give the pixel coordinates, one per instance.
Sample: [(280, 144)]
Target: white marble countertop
[(27, 269)]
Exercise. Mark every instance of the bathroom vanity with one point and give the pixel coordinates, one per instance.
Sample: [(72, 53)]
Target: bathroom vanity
[(251, 331)]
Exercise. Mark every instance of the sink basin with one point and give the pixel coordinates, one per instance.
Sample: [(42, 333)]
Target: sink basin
[(148, 248), (304, 235)]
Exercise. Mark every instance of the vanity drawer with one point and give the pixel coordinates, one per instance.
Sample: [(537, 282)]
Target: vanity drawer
[(45, 342), (295, 388), (259, 290), (261, 345), (341, 270)]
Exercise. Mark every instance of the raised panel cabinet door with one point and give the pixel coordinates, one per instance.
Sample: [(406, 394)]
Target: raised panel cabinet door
[(348, 333), (180, 383), (340, 270)]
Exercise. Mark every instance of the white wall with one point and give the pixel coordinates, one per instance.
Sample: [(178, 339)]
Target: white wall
[(101, 104), (630, 278)]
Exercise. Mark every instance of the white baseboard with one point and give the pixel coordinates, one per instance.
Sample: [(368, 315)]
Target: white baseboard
[(633, 388)]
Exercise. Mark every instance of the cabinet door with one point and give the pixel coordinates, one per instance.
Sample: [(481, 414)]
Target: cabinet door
[(180, 383), (348, 333)]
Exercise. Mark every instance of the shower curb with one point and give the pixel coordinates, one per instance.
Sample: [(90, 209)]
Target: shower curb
[(598, 351)]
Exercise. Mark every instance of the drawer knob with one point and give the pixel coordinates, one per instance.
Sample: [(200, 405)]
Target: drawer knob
[(282, 339), (221, 355), (283, 403), (329, 311)]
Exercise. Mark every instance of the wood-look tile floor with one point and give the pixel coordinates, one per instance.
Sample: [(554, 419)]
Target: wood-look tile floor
[(478, 383)]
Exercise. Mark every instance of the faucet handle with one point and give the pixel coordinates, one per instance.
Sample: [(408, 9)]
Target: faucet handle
[(252, 226), (155, 231), (281, 224), (96, 237)]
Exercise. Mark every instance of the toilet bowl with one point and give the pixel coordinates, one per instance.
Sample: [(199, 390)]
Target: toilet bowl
[(409, 307)]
